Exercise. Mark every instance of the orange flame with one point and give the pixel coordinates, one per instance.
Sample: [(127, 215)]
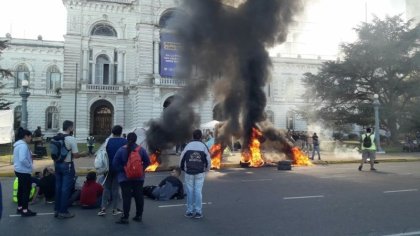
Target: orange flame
[(253, 155), (299, 158), (216, 155), (153, 162)]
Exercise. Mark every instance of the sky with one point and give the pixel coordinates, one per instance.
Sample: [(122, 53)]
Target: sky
[(327, 22), (30, 18)]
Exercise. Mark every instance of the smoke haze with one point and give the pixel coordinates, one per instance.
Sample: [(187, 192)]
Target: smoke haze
[(221, 42)]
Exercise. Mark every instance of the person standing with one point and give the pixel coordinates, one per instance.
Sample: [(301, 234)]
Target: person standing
[(23, 166), (368, 149), (131, 187), (90, 142), (65, 173), (315, 142), (195, 161), (111, 195)]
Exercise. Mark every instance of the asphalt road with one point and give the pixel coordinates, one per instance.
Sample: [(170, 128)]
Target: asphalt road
[(319, 200)]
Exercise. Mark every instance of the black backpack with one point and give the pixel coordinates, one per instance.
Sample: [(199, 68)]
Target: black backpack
[(58, 149), (367, 141)]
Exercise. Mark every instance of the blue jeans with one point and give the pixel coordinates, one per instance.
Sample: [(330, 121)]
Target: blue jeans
[(64, 184), (194, 187), (316, 149)]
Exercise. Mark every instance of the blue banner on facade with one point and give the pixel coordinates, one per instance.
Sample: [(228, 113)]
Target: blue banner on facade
[(169, 54)]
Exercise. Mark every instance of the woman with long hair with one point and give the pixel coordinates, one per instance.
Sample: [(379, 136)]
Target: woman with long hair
[(22, 159), (131, 186)]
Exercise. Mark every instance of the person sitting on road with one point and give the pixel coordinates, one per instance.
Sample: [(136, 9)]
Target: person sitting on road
[(91, 194), (169, 188), (47, 184)]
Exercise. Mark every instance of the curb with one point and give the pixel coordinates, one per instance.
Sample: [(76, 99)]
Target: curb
[(84, 171)]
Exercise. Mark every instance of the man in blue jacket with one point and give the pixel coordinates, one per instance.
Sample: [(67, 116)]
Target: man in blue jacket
[(195, 161)]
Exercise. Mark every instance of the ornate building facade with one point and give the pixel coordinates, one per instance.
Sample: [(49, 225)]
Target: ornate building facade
[(112, 68)]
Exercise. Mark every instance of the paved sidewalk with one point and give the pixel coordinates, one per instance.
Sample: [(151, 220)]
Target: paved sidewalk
[(83, 165)]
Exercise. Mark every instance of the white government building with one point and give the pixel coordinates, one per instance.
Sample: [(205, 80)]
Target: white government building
[(110, 70)]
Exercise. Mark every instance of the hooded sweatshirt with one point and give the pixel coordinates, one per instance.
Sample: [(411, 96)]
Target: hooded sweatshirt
[(22, 157)]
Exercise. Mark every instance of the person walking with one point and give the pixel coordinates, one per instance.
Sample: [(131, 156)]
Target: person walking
[(23, 166), (195, 161), (126, 164), (90, 143), (111, 194), (368, 149), (315, 142), (65, 172)]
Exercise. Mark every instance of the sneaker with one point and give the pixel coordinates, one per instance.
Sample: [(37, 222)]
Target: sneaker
[(102, 212), (198, 216), (189, 215), (137, 218), (360, 168), (65, 215), (19, 211), (116, 212), (55, 214), (122, 221), (28, 213), (373, 169)]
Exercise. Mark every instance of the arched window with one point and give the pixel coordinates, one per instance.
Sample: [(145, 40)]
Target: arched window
[(103, 73), (51, 118), (22, 73), (17, 117), (164, 19), (103, 29), (53, 78), (270, 116)]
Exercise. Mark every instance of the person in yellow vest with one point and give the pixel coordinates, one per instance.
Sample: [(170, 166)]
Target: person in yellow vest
[(368, 148), (15, 190)]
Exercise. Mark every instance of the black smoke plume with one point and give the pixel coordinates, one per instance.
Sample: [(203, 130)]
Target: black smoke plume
[(225, 43)]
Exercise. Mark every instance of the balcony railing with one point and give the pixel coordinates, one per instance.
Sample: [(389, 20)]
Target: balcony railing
[(170, 82), (102, 87)]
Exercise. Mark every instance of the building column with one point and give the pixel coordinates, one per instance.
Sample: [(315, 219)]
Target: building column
[(85, 69), (120, 67), (156, 44)]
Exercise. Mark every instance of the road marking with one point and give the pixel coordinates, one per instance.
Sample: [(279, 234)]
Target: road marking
[(179, 205), (255, 180), (404, 234), (334, 176), (303, 197), (402, 190), (38, 214)]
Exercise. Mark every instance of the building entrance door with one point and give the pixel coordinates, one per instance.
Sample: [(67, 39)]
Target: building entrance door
[(101, 118)]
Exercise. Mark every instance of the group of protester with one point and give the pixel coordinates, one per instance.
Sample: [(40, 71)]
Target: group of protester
[(305, 141), (124, 156)]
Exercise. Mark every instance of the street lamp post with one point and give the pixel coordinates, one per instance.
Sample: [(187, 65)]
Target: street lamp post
[(377, 132), (24, 94)]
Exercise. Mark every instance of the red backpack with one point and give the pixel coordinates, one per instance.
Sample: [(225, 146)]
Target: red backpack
[(134, 167)]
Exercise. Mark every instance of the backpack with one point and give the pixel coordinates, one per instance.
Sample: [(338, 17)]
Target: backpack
[(134, 167), (367, 141), (101, 162), (195, 161), (58, 148)]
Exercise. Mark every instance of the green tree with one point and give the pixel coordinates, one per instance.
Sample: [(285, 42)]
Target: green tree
[(385, 60), (4, 73)]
